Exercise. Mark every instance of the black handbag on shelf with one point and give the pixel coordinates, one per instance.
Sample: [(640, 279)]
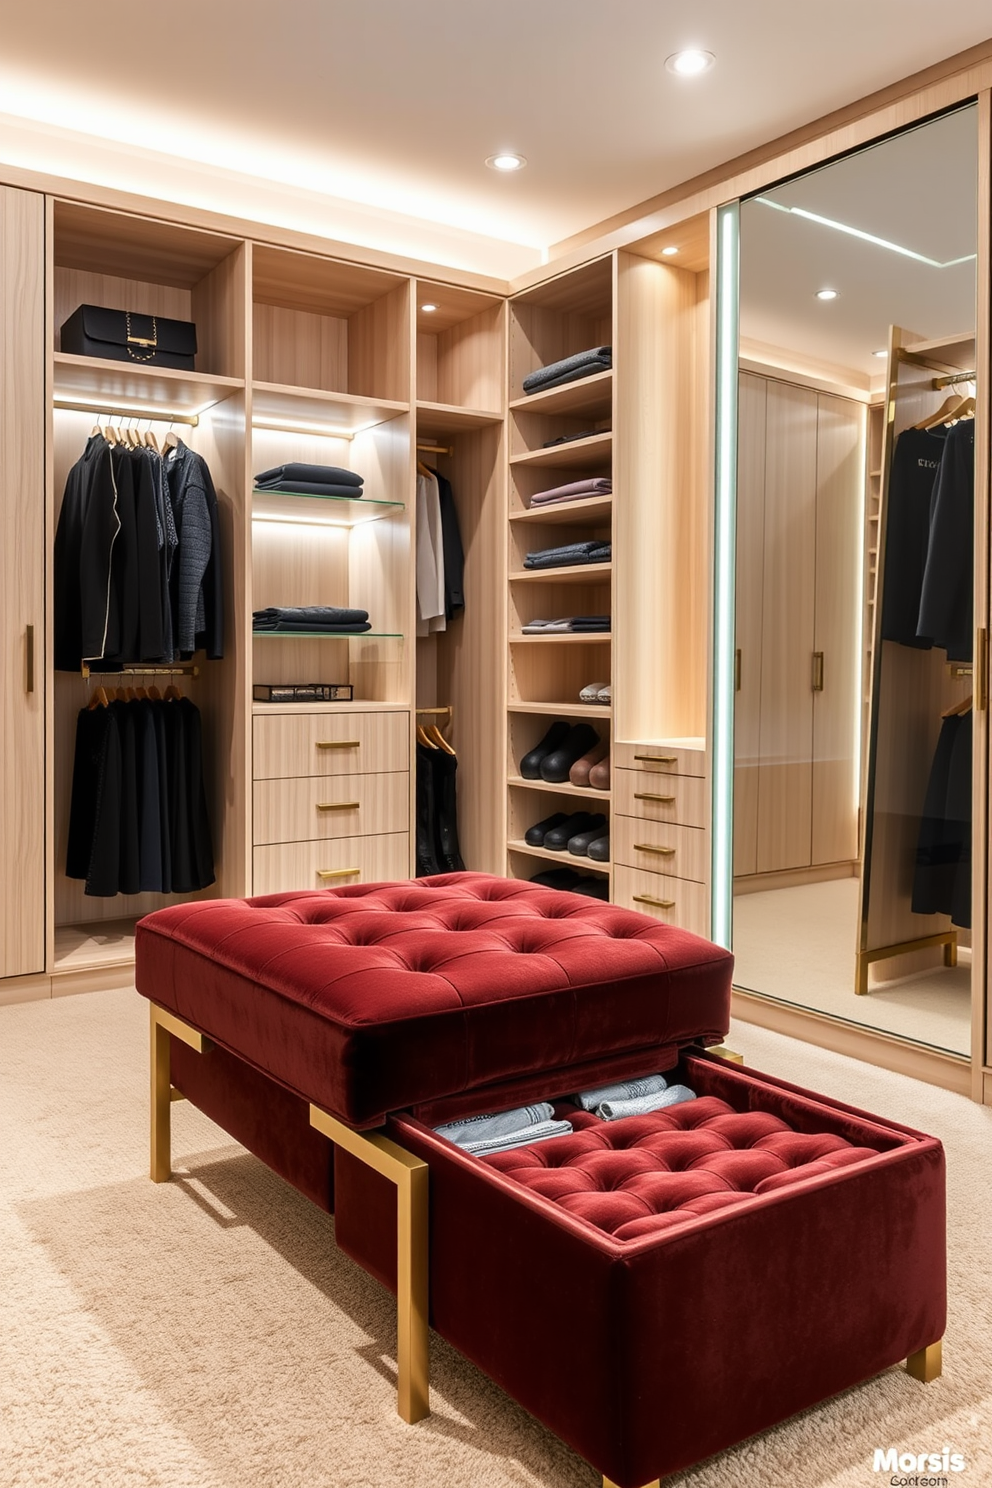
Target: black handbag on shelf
[(122, 336)]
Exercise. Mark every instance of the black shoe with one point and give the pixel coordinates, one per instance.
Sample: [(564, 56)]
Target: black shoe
[(446, 849), (535, 835), (557, 878), (558, 838), (556, 764), (578, 845), (593, 888), (530, 765), (599, 849), (426, 855)]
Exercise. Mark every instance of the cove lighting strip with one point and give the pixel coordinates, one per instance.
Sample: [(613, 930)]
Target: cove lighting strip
[(724, 571), (866, 237)]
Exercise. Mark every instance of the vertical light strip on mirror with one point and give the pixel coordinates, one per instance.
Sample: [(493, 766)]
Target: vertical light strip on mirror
[(724, 575)]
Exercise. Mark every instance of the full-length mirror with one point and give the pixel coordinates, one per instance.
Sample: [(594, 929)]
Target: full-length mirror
[(854, 614)]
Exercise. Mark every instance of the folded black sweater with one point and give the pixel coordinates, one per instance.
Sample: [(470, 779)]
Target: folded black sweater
[(311, 617), (569, 369), (333, 475)]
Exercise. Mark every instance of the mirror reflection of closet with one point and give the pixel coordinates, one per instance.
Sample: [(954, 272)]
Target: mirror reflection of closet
[(855, 501)]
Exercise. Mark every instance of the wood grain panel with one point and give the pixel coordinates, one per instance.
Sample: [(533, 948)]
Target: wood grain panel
[(311, 809), (786, 728), (22, 582), (105, 242), (75, 287), (470, 361), (363, 743), (311, 282), (300, 348), (676, 901), (659, 758), (285, 866), (751, 419), (840, 464), (679, 798), (379, 346), (678, 852)]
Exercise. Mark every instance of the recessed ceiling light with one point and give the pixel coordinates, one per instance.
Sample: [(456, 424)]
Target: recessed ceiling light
[(826, 294), (506, 160), (428, 308), (669, 251), (690, 63), (880, 353)]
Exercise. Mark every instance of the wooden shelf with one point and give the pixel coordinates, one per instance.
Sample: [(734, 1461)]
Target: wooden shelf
[(563, 710), (262, 710), (587, 395), (595, 450), (327, 635), (285, 407), (593, 508), (573, 573), (567, 789), (449, 418), (561, 638), (91, 946), (563, 859), (138, 386)]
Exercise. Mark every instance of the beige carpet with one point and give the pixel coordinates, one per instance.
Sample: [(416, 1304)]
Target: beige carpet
[(798, 944), (206, 1334)]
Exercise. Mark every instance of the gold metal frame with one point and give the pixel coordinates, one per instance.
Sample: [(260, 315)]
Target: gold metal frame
[(654, 1483), (163, 1093), (730, 1055), (946, 938), (925, 1365)]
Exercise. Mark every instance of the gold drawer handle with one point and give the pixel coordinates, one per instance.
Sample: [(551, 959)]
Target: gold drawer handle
[(658, 759), (337, 872), (663, 852), (338, 805), (652, 796), (339, 743), (658, 903)]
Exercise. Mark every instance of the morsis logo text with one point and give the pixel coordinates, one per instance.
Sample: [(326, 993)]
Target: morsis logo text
[(917, 1469)]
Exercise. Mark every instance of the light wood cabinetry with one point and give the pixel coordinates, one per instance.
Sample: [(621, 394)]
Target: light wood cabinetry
[(677, 901), (322, 865), (22, 583), (314, 744), (298, 810)]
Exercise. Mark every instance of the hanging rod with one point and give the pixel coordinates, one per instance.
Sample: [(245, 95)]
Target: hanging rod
[(952, 378), (154, 416), (448, 712), (436, 449), (189, 669)]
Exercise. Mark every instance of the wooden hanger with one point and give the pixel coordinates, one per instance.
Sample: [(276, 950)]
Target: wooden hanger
[(154, 694), (943, 413), (172, 694), (436, 737), (964, 410), (170, 442), (120, 695), (99, 699), (150, 441), (422, 737), (423, 470), (964, 706)]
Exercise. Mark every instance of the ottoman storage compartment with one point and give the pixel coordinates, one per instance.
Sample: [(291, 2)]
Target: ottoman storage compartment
[(657, 1288)]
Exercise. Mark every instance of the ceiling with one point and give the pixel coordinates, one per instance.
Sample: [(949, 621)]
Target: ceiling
[(917, 190), (309, 109)]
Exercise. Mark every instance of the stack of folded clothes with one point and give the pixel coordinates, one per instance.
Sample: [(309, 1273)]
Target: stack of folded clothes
[(581, 552), (324, 618), (505, 1129), (310, 480), (569, 625), (633, 1097), (594, 485), (570, 369), (579, 434)]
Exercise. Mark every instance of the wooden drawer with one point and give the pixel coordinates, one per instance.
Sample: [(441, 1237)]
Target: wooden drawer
[(351, 860), (679, 798), (679, 852), (659, 759), (677, 901), (312, 808), (292, 744)]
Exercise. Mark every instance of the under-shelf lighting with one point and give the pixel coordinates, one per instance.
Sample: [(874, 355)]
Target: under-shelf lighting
[(428, 309), (152, 413), (294, 426)]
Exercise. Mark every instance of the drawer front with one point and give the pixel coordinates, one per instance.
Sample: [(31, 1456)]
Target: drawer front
[(677, 901), (314, 807), (293, 744), (283, 866), (678, 798), (659, 759), (678, 852)]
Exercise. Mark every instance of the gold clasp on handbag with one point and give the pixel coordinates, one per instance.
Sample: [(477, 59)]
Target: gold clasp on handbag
[(132, 340)]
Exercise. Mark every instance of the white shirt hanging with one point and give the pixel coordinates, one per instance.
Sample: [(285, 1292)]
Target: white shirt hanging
[(430, 557)]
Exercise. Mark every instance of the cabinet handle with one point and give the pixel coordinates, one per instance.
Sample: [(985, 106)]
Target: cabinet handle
[(658, 759), (663, 852), (981, 669), (29, 658), (817, 683), (737, 670), (338, 743), (653, 796), (650, 899), (338, 805), (337, 872)]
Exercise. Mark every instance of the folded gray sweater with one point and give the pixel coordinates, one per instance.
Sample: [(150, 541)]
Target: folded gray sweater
[(569, 369)]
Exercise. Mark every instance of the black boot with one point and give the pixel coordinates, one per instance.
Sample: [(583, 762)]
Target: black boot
[(530, 765), (446, 813), (426, 813)]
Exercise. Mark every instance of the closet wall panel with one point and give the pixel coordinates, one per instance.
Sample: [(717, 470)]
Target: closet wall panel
[(750, 570), (22, 582)]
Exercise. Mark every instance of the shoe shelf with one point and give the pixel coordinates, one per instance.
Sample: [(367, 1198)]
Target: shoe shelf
[(588, 395), (572, 573), (578, 454), (563, 859), (567, 789), (591, 510), (563, 710)]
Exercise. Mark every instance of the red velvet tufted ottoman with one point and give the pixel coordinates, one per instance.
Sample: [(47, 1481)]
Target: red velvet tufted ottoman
[(693, 1267)]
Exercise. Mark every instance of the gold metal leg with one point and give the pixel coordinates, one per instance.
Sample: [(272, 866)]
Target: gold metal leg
[(409, 1176), (162, 1094), (926, 1364), (654, 1483), (722, 1052)]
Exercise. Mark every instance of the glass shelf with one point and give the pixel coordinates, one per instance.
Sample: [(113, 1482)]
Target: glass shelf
[(329, 635), (328, 511)]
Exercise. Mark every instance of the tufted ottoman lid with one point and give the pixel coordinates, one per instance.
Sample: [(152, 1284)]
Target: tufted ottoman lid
[(385, 997)]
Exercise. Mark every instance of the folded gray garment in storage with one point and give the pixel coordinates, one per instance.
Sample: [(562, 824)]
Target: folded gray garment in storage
[(499, 1124), (615, 1110), (334, 475), (596, 358), (625, 1090), (540, 1132), (308, 615), (593, 485)]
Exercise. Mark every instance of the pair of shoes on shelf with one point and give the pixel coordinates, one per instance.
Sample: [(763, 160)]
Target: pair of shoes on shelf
[(593, 768), (578, 832), (553, 758), (572, 882), (596, 692)]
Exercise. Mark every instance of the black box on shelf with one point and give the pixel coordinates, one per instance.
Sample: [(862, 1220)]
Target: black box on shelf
[(302, 692), (122, 336)]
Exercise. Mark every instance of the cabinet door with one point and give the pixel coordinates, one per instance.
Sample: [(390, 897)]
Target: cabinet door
[(750, 565), (840, 478), (786, 726), (22, 582)]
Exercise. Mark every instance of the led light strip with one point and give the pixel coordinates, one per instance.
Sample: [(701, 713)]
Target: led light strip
[(866, 237)]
